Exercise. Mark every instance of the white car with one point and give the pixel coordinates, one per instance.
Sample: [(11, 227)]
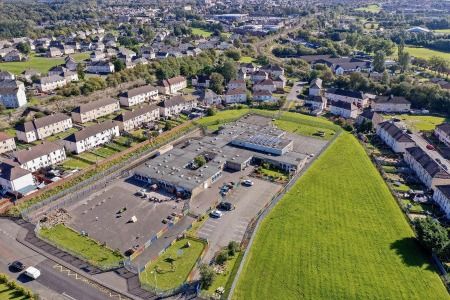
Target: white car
[(247, 182), (32, 272), (216, 213)]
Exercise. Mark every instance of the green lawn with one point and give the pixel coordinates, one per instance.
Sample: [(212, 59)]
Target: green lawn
[(372, 8), (84, 247), (62, 135), (419, 123), (221, 280), (104, 151), (91, 157), (444, 31), (304, 129), (246, 59), (221, 117), (201, 32), (183, 260), (73, 163), (338, 234), (38, 63), (274, 173), (7, 293), (426, 53)]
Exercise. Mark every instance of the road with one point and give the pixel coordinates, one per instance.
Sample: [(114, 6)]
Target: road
[(52, 284), (422, 143)]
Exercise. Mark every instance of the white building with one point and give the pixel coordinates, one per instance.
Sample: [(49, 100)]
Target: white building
[(442, 198), (12, 93), (7, 143), (237, 84), (358, 98), (173, 85), (15, 179), (265, 85), (273, 70), (41, 128), (427, 170), (316, 102), (50, 83), (100, 67), (235, 96), (95, 109), (40, 156), (442, 132), (391, 104), (138, 95), (175, 105), (344, 109), (394, 137), (91, 137), (130, 120), (263, 96), (315, 88)]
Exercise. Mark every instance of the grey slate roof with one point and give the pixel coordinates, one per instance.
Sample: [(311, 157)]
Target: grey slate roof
[(10, 170), (42, 122), (84, 108), (427, 163), (137, 91), (26, 155), (128, 115), (395, 132), (445, 127), (90, 131), (391, 99)]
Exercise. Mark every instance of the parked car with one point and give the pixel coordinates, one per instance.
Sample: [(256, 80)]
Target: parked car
[(216, 213), (17, 266), (32, 272), (247, 182), (226, 206), (430, 147)]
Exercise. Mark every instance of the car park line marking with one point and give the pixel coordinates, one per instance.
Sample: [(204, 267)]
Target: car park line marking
[(68, 296)]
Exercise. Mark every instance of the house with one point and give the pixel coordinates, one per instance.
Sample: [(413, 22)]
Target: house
[(237, 84), (62, 71), (279, 82), (258, 76), (174, 84), (266, 85), (247, 68), (148, 52), (70, 63), (392, 104), (7, 143), (209, 97), (201, 81), (5, 51), (369, 116), (68, 49), (359, 98), (316, 103), (138, 95), (441, 197), (343, 65), (175, 105), (100, 67), (241, 75), (14, 55), (40, 156), (15, 179), (427, 170), (28, 74), (273, 70), (344, 109), (315, 87), (130, 120), (12, 93), (394, 137), (95, 109), (54, 52), (50, 83), (235, 96), (91, 137), (41, 128), (263, 96), (442, 132), (5, 75), (97, 55)]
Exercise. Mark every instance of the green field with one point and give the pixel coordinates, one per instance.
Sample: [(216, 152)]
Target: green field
[(73, 163), (372, 8), (82, 246), (419, 123), (172, 268), (201, 32), (426, 53), (7, 293), (443, 31), (338, 234), (41, 64), (246, 59), (221, 117)]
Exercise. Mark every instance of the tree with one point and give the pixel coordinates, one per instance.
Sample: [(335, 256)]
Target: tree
[(216, 81), (200, 161), (211, 111), (228, 70), (24, 48), (234, 54), (207, 276), (222, 257), (233, 247), (438, 64), (385, 78), (378, 61), (432, 234), (119, 65), (404, 61), (80, 71)]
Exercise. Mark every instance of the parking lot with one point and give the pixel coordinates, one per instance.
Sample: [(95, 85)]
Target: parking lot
[(232, 225), (99, 216)]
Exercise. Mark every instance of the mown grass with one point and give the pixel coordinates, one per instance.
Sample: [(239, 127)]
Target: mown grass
[(371, 8), (73, 163), (426, 53), (201, 32), (172, 268), (443, 31), (246, 59), (419, 123), (82, 246), (338, 234)]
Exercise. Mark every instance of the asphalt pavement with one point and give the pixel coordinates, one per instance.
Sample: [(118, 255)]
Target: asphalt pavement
[(422, 143)]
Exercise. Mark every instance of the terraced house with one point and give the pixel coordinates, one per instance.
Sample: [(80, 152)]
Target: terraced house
[(391, 104), (7, 143), (16, 179), (359, 98), (12, 93), (130, 120), (138, 95), (40, 156), (442, 132), (173, 85), (41, 128), (95, 109), (394, 137), (441, 196), (91, 137), (176, 105)]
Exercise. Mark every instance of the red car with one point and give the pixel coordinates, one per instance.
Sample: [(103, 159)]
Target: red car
[(430, 147)]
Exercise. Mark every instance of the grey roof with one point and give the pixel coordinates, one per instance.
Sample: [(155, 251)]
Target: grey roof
[(26, 155), (90, 131), (4, 136), (84, 108), (318, 99), (395, 132), (445, 190), (344, 105), (129, 115), (42, 122), (137, 91), (10, 170), (391, 100), (316, 83), (50, 79), (427, 163), (347, 93), (445, 127), (173, 101)]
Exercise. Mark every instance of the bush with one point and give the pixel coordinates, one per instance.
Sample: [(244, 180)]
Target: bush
[(233, 247), (3, 278), (207, 276), (222, 257)]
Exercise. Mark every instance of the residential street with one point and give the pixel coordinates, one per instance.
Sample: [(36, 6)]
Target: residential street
[(422, 143)]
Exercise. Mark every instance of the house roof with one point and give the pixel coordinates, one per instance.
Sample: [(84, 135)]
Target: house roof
[(344, 105), (236, 81), (4, 136), (208, 94), (347, 93), (84, 108), (262, 93), (138, 91), (50, 79), (42, 122), (391, 99), (129, 115), (26, 155), (90, 131), (236, 92), (173, 101), (395, 132), (373, 116), (427, 163), (316, 83), (445, 190), (10, 170), (445, 127), (266, 82), (175, 80)]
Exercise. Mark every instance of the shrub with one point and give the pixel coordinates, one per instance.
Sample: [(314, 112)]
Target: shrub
[(222, 257), (207, 276), (3, 278), (233, 247)]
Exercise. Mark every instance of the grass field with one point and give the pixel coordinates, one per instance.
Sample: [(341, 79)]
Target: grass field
[(338, 234), (372, 8), (84, 247), (183, 260), (201, 32), (41, 64), (444, 31), (420, 123), (7, 293), (221, 117), (74, 163), (246, 59), (426, 53)]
